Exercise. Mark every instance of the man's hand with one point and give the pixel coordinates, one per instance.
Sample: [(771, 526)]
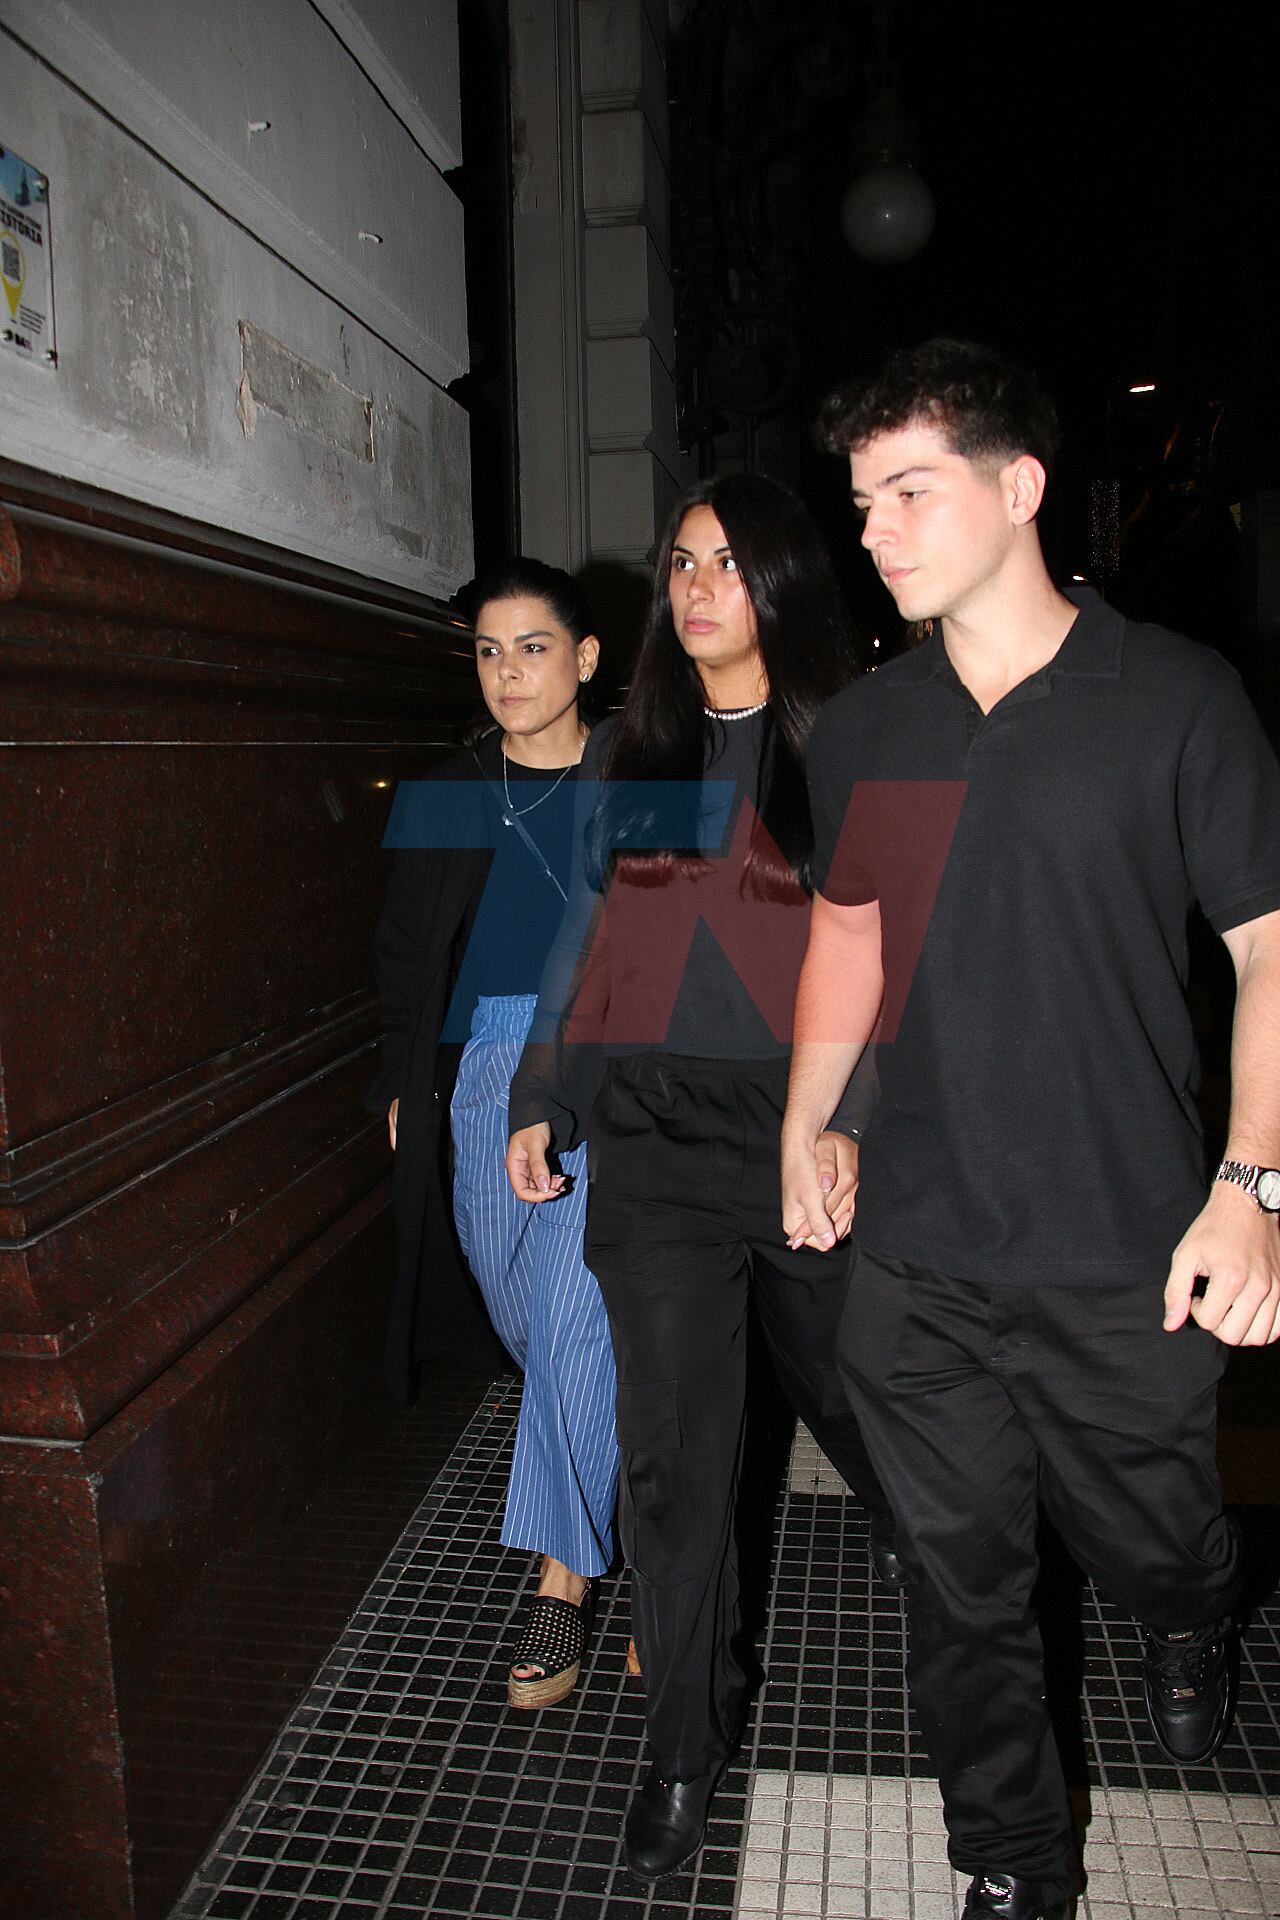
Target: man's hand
[(837, 1000), (393, 1114), (527, 1170), (1237, 1248), (818, 1188)]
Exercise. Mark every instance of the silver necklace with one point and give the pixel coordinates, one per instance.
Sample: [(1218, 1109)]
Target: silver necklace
[(514, 812), (734, 713)]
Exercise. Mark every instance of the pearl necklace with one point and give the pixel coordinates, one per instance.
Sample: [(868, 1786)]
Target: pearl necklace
[(734, 713)]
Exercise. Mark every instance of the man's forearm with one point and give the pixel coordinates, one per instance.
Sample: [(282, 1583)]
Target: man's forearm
[(1231, 1243), (837, 1001), (1254, 1132), (820, 1073)]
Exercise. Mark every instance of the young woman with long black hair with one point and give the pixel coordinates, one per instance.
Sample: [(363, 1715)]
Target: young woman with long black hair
[(477, 890), (670, 992)]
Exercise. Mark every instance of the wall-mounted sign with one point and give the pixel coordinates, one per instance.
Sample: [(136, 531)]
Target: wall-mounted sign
[(26, 278)]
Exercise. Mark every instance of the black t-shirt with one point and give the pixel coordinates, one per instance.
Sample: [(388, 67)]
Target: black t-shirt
[(674, 956), (511, 919), (698, 966), (1036, 868), (687, 946), (510, 927)]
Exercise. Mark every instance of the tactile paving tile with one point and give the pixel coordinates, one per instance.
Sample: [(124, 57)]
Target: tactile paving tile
[(837, 1847), (809, 1470)]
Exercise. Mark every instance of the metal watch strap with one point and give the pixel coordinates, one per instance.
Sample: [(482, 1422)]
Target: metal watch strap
[(1239, 1174), (1249, 1179)]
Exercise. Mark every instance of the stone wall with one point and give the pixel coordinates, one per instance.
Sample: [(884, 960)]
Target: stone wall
[(599, 461), (258, 267)]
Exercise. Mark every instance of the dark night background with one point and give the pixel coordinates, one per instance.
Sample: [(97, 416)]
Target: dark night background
[(1106, 187)]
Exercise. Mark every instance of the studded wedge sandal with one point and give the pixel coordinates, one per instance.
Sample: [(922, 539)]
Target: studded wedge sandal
[(555, 1634)]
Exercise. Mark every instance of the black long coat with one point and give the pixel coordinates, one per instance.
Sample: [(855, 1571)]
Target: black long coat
[(436, 1311)]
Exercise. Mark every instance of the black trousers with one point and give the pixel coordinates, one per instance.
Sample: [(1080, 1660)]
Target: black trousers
[(976, 1401), (684, 1217)]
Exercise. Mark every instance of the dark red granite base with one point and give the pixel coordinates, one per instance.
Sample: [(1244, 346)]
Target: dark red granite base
[(195, 1242), (63, 1835), (171, 1586)]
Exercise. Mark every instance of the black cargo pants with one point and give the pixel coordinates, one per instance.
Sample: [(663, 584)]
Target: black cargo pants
[(684, 1223)]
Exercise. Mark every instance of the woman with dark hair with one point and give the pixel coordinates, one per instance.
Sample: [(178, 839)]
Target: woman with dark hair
[(663, 1032), (477, 889)]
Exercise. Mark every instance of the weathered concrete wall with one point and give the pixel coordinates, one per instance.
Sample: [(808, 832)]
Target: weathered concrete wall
[(258, 269), (546, 238), (635, 467), (599, 458)]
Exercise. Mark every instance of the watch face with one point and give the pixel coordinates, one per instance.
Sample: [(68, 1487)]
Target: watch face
[(1269, 1190)]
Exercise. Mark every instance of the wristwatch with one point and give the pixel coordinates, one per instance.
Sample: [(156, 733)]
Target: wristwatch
[(1260, 1183)]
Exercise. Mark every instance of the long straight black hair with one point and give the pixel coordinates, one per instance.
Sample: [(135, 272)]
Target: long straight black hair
[(807, 652)]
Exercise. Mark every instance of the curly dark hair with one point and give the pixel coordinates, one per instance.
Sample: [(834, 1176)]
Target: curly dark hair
[(988, 407)]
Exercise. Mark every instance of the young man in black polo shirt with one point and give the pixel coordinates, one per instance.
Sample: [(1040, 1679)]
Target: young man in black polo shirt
[(1026, 1319)]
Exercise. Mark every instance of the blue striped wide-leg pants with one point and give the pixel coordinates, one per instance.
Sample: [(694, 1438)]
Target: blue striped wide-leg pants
[(546, 1307)]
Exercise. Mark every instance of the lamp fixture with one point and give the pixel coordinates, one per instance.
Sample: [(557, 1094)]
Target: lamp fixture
[(888, 212)]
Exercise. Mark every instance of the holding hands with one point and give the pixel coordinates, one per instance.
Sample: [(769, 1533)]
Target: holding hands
[(819, 1184)]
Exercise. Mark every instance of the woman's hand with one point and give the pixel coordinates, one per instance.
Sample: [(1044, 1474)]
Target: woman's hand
[(819, 1184), (393, 1112), (837, 1158), (527, 1170)]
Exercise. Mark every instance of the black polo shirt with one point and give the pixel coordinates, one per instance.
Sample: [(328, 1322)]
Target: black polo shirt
[(1036, 1120)]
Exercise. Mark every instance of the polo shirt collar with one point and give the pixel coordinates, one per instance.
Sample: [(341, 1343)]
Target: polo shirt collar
[(1094, 646), (1092, 650)]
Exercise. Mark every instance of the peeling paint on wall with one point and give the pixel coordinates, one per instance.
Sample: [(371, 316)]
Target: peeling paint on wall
[(302, 394), (246, 407), (146, 307), (408, 494), (153, 398)]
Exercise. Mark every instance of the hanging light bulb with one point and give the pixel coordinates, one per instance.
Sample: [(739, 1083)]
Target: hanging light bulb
[(888, 213)]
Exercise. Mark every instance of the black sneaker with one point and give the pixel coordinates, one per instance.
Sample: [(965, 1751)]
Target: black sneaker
[(1190, 1684), (1002, 1896)]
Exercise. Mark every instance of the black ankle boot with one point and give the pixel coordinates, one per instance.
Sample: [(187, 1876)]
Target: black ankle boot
[(666, 1823), (1002, 1896), (1190, 1689)]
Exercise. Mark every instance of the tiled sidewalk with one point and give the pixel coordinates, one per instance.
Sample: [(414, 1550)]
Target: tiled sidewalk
[(841, 1847), (402, 1786)]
